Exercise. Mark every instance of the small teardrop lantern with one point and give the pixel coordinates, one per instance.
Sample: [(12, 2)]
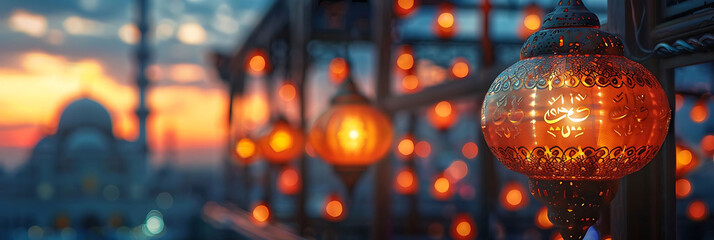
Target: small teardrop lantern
[(574, 115), (282, 143), (351, 134)]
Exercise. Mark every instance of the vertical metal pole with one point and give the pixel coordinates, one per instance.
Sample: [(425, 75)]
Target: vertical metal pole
[(489, 182), (142, 60), (382, 25), (299, 34)]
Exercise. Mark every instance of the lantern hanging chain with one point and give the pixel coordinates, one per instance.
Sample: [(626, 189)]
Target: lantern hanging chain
[(638, 30)]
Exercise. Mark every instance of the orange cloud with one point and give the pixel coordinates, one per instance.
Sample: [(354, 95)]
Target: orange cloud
[(35, 92)]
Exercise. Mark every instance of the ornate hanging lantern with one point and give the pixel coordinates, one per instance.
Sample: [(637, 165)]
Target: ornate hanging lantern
[(574, 115), (282, 143), (351, 134)]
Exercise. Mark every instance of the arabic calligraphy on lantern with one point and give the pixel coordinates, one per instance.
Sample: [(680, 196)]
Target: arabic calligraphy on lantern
[(575, 114)]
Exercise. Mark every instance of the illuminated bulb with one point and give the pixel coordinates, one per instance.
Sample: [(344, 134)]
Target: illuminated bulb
[(442, 116), (532, 22), (246, 150), (405, 60), (463, 227), (261, 214), (406, 146), (339, 70), (445, 24), (446, 20), (513, 197), (700, 111), (460, 68), (683, 188), (441, 188), (282, 143), (333, 208)]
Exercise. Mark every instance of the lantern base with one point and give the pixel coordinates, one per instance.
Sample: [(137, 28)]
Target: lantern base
[(573, 206), (350, 175)]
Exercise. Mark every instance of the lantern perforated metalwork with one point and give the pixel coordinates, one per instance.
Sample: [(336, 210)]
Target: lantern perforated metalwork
[(574, 115), (351, 134)]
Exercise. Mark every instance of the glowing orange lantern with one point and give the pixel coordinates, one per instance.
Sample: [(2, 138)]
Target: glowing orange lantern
[(261, 214), (339, 70), (682, 188), (287, 92), (403, 8), (442, 116), (334, 209), (463, 227), (289, 181), (245, 151), (441, 188), (406, 146), (410, 83), (257, 62), (686, 160), (700, 111), (574, 115), (282, 143), (542, 220), (406, 181), (532, 18), (445, 22), (697, 211), (422, 149), (351, 134), (460, 68), (470, 150), (707, 144), (513, 197), (405, 59)]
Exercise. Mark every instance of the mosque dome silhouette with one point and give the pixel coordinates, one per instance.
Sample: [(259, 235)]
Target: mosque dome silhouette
[(85, 113)]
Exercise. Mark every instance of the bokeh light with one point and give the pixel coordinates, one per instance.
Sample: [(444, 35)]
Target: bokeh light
[(333, 208), (541, 219), (191, 33), (406, 146), (441, 188), (683, 188), (457, 170), (470, 150), (460, 68), (410, 83), (513, 196), (338, 70), (406, 181), (422, 149), (287, 92), (463, 227), (697, 211), (289, 181), (261, 214), (700, 111)]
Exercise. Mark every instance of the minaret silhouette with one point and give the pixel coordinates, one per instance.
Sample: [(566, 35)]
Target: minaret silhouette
[(142, 60)]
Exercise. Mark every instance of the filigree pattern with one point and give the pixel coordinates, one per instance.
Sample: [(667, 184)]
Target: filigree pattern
[(575, 163)]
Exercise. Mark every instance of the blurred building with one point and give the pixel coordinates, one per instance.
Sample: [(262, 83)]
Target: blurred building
[(84, 182)]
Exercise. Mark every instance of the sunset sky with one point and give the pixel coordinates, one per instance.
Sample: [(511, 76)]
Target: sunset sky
[(53, 52)]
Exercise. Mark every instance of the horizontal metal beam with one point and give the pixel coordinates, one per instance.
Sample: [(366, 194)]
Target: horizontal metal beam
[(477, 85)]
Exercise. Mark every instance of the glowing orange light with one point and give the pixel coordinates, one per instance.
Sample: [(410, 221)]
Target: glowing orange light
[(513, 196), (697, 211), (457, 170), (470, 150), (441, 188), (607, 238), (707, 143), (282, 143), (287, 92), (339, 70), (542, 220), (460, 68), (683, 188), (405, 60), (410, 83), (532, 17), (700, 111), (333, 208), (557, 236), (422, 149), (404, 7), (532, 22), (246, 151), (442, 116), (309, 150), (351, 135), (678, 101), (257, 62), (406, 181), (406, 146), (463, 227), (261, 214), (445, 24), (289, 182), (686, 160)]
